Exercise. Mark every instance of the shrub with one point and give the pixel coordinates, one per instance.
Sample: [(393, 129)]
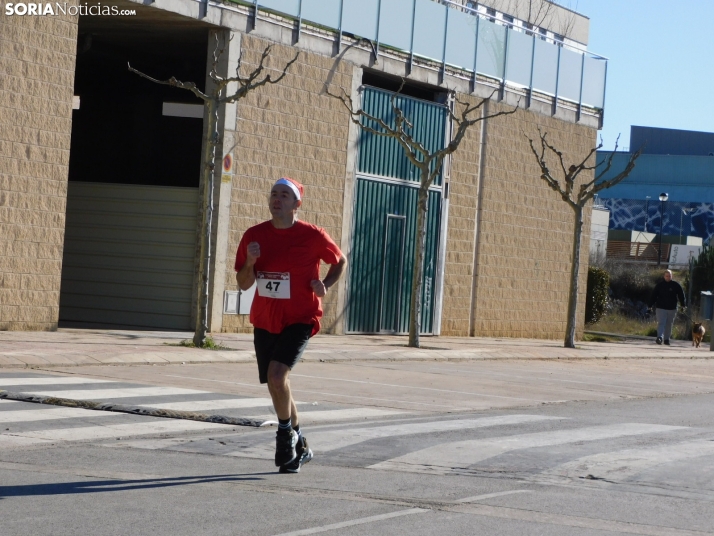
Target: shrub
[(632, 281), (703, 274), (597, 294)]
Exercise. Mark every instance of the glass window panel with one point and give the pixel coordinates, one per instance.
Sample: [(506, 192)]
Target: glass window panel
[(321, 12), (395, 23), (491, 49), (594, 82), (569, 75), (461, 40), (289, 7), (359, 17), (429, 26), (545, 67), (520, 52)]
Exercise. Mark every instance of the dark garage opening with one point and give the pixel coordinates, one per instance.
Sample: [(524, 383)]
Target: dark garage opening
[(132, 201)]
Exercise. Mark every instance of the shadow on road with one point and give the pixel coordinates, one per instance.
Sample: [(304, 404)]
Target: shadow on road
[(98, 486)]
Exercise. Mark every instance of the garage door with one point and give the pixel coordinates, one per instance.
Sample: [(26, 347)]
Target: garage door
[(128, 256), (385, 214)]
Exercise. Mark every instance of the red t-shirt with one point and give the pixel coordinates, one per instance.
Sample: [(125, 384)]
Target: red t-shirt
[(297, 250)]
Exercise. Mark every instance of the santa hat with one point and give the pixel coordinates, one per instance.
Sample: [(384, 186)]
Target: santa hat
[(294, 185)]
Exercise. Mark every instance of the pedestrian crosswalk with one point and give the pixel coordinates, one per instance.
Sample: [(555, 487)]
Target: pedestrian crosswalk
[(107, 425), (376, 439)]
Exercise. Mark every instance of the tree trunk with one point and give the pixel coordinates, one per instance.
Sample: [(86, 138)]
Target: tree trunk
[(574, 279), (418, 277), (204, 262)]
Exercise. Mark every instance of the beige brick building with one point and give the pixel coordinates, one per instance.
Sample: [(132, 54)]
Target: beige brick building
[(37, 57), (116, 247)]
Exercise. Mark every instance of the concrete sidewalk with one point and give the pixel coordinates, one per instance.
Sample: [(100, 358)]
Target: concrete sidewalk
[(78, 347)]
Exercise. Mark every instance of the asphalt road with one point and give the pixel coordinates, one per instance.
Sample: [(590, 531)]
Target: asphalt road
[(502, 448)]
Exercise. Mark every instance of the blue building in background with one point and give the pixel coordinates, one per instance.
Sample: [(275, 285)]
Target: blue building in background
[(678, 162)]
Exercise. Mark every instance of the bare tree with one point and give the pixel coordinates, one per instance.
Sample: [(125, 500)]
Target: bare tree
[(577, 201), (429, 165), (213, 99)]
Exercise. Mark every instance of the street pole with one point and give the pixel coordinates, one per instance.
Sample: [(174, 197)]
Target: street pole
[(647, 211), (662, 199)]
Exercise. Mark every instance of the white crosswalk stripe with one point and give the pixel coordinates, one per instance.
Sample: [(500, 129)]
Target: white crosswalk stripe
[(316, 417), (624, 464), (106, 431), (136, 392), (209, 405), (326, 441), (446, 458), (58, 380), (49, 414)]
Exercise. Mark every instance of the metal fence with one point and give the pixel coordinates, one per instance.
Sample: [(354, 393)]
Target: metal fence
[(462, 40)]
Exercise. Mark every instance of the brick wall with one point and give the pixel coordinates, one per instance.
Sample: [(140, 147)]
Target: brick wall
[(463, 200), (37, 62), (525, 236), (289, 129)]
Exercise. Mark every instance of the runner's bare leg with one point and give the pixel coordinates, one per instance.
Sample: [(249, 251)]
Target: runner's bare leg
[(279, 388)]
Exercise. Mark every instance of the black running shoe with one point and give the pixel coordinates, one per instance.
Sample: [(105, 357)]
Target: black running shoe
[(285, 447), (659, 340), (666, 342), (304, 455)]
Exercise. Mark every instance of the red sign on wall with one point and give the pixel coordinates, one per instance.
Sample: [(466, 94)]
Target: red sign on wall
[(228, 163)]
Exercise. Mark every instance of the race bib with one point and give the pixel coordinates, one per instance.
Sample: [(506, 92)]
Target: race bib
[(274, 285)]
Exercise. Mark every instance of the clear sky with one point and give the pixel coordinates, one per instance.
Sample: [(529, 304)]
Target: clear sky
[(661, 68)]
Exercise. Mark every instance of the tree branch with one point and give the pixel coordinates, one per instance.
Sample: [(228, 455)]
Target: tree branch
[(173, 82), (249, 83), (546, 174), (585, 195)]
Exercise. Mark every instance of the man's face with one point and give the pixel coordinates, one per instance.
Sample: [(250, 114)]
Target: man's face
[(667, 276), (282, 202)]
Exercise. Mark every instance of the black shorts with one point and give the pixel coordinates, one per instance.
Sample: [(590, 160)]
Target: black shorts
[(285, 347)]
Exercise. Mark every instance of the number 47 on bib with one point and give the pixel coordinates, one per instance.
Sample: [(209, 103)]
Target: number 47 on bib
[(274, 285)]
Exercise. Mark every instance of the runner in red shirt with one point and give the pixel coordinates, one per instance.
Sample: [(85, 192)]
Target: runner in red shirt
[(282, 256)]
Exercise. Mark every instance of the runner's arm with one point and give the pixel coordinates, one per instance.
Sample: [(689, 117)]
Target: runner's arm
[(335, 272), (246, 275)]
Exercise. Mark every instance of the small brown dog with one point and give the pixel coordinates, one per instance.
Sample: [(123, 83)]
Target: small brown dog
[(697, 333)]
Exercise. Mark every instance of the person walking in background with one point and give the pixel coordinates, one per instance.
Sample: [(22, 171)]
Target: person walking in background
[(664, 298)]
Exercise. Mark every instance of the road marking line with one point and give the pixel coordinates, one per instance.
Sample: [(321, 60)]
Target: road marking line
[(354, 522), (315, 417), (337, 439), (447, 457), (203, 405), (107, 431), (419, 388), (624, 464), (491, 495), (136, 392), (370, 398), (31, 415), (56, 380)]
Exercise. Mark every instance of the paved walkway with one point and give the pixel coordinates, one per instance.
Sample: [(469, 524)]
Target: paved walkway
[(74, 347)]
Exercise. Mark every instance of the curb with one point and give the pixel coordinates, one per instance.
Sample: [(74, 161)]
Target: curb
[(135, 410)]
